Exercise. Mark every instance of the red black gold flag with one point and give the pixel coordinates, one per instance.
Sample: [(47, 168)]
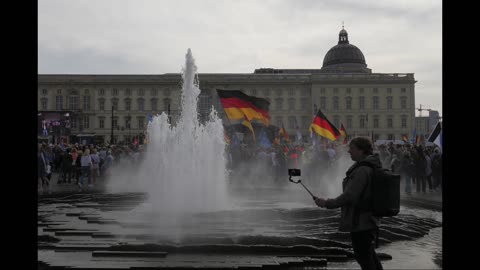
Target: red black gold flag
[(238, 105), (324, 128), (283, 132), (343, 133)]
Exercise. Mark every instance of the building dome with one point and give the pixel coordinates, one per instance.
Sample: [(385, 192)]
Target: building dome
[(344, 55)]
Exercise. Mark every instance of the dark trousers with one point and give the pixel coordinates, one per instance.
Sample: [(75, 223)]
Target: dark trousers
[(421, 183), (364, 249)]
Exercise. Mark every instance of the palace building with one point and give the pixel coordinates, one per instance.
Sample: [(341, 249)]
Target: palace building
[(379, 105)]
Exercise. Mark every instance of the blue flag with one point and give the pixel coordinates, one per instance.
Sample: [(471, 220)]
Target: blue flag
[(150, 117), (263, 140)]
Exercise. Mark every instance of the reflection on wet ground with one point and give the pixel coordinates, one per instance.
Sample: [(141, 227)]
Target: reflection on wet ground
[(122, 230)]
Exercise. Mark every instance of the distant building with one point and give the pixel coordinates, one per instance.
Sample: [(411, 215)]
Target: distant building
[(378, 105)]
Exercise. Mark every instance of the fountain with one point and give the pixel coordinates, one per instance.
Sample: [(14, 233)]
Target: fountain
[(184, 167)]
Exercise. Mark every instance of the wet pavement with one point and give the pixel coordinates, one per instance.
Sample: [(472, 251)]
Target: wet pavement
[(92, 229)]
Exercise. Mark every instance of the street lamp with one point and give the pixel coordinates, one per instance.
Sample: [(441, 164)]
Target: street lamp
[(111, 135)]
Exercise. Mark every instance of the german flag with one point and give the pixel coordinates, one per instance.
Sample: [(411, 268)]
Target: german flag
[(237, 105), (324, 128), (283, 132), (344, 134)]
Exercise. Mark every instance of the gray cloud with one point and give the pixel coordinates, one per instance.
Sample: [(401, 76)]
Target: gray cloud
[(145, 36)]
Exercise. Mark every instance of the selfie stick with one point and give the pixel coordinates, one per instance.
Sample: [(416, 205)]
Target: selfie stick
[(300, 182)]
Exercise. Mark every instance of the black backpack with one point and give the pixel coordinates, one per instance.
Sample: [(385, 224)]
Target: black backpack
[(385, 191)]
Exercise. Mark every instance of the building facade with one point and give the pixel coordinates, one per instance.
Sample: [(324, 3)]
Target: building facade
[(379, 105)]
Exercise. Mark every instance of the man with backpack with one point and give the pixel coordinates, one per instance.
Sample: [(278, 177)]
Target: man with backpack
[(357, 196)]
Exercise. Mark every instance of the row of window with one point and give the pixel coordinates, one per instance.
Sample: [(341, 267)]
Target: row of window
[(101, 122), (362, 122), (115, 92), (362, 90), (361, 103), (254, 92), (73, 103)]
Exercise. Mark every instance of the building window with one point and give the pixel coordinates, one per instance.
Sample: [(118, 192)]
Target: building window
[(349, 90), (375, 90), (291, 104), (349, 122), (154, 102), (391, 137), (389, 122), (44, 92), (101, 104), (114, 92), (254, 92), (73, 103), (101, 122), (389, 103), (204, 103), (86, 122), (375, 122), (335, 90), (166, 104), (335, 103), (304, 103), (141, 92), (141, 121), (279, 92), (304, 93), (115, 104), (59, 103), (389, 90), (128, 104), (291, 92), (73, 122), (86, 102), (348, 103), (154, 92), (361, 102), (323, 103), (322, 91), (404, 121), (102, 92), (127, 122), (362, 122), (279, 103), (403, 102), (86, 92), (291, 122), (375, 102), (44, 102), (59, 91), (141, 104), (166, 92), (361, 90), (403, 90), (305, 122), (336, 122), (279, 121), (128, 92), (266, 92)]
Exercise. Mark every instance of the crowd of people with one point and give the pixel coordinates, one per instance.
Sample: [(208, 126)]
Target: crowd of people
[(83, 165)]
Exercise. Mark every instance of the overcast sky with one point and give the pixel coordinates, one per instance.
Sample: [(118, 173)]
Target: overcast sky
[(227, 36)]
